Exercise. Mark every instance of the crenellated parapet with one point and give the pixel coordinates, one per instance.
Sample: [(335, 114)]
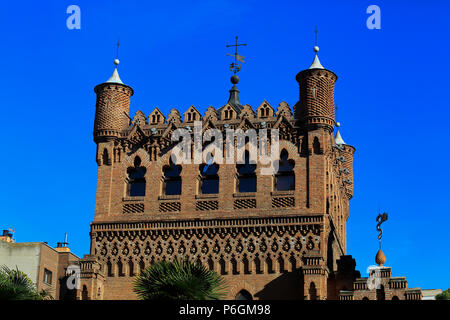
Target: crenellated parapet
[(153, 132), (381, 286)]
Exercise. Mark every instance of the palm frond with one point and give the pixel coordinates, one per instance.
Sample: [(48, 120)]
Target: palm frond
[(16, 285), (180, 279)]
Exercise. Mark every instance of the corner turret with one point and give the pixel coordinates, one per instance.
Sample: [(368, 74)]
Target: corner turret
[(112, 107), (316, 105)]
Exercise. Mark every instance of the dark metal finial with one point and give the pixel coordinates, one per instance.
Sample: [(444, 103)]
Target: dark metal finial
[(235, 67), (336, 115), (118, 44), (382, 217), (315, 36)]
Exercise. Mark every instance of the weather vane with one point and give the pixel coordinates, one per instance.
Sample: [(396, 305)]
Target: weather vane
[(315, 34), (382, 217), (235, 67), (118, 44)]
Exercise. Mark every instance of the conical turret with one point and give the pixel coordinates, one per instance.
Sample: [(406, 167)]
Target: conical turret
[(316, 105), (112, 107)]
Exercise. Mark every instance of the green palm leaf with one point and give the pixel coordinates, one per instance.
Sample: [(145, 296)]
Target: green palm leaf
[(179, 280), (16, 285)]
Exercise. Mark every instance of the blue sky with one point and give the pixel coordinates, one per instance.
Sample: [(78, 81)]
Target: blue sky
[(392, 94)]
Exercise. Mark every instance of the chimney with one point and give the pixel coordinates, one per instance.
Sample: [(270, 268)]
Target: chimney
[(62, 246), (7, 236)]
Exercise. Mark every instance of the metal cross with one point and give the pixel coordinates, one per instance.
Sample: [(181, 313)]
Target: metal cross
[(234, 66), (118, 44)]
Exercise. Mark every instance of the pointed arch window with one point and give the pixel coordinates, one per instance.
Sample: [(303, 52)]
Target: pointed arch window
[(246, 175), (285, 177), (136, 179), (265, 111), (156, 118), (316, 146), (84, 293), (105, 157), (209, 179), (312, 291), (228, 113), (172, 179), (380, 293)]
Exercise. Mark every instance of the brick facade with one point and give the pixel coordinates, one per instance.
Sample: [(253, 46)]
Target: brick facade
[(273, 244)]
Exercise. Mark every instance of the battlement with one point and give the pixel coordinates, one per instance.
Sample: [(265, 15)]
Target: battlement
[(264, 116)]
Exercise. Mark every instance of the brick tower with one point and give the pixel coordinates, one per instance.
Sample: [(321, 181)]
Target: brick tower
[(316, 105), (111, 108), (280, 236)]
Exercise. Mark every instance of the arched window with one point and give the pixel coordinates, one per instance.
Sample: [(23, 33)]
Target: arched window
[(234, 266), (246, 265), (246, 175), (131, 267), (172, 179), (222, 265), (210, 263), (316, 146), (136, 179), (191, 115), (141, 265), (120, 268), (312, 291), (244, 295), (263, 113), (228, 113), (109, 269), (269, 265), (395, 298), (365, 299), (285, 177), (380, 293), (257, 263), (281, 264), (84, 293), (105, 157), (209, 179)]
